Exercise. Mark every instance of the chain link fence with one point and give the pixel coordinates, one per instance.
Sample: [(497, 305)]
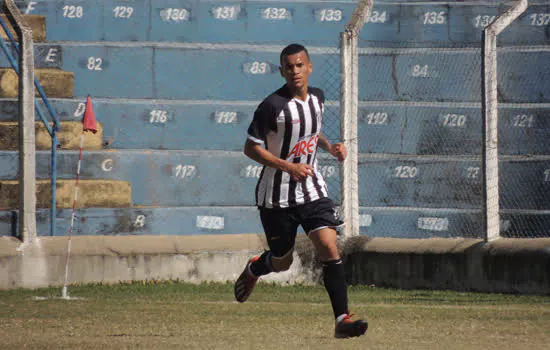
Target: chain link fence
[(421, 136), (419, 128)]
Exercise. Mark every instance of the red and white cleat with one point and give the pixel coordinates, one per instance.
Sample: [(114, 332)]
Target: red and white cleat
[(346, 328), (246, 282)]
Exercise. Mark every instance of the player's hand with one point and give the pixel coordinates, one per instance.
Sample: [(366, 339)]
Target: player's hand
[(339, 150), (299, 172)]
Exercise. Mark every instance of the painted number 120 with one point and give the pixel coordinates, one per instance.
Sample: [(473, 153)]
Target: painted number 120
[(405, 172)]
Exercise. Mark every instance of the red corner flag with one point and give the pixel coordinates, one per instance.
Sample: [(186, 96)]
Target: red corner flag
[(89, 121)]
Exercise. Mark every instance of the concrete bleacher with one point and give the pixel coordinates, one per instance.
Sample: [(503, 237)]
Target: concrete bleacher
[(417, 129), (174, 87), (139, 72), (393, 23)]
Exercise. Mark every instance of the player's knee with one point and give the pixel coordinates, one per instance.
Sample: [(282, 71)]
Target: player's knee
[(283, 263)]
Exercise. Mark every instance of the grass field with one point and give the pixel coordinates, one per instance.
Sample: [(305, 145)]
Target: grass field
[(170, 315)]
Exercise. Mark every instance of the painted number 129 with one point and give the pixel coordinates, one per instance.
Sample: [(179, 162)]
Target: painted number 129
[(123, 11)]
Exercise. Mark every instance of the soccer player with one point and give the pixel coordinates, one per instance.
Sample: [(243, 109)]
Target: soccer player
[(283, 136)]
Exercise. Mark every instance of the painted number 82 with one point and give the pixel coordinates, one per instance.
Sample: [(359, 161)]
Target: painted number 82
[(95, 63)]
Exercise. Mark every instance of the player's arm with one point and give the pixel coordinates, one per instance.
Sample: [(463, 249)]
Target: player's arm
[(258, 153), (337, 150)]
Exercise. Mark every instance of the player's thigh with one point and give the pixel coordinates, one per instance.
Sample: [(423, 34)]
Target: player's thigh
[(280, 226), (319, 214), (320, 221), (325, 242)]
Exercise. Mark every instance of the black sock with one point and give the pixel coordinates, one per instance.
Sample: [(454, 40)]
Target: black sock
[(262, 266), (335, 283)]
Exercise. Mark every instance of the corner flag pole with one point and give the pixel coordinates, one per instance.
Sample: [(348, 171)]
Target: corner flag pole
[(88, 124)]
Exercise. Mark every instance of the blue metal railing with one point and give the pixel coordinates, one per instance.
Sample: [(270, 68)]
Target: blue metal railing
[(52, 131)]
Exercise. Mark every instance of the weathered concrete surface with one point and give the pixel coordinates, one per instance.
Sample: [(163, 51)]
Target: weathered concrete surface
[(55, 82), (91, 193), (113, 259), (508, 266), (36, 22), (68, 136)]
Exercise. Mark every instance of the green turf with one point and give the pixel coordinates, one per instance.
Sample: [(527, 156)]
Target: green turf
[(171, 315)]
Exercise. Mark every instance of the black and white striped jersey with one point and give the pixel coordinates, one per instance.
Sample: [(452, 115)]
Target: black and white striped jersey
[(289, 128)]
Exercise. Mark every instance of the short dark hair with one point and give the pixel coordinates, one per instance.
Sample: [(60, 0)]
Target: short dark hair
[(292, 49)]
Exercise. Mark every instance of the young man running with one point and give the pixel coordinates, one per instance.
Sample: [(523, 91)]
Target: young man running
[(284, 136)]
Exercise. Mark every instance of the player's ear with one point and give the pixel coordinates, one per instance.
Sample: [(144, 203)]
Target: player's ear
[(310, 66), (281, 71)]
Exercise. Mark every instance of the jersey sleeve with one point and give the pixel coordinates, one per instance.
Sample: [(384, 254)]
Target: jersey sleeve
[(319, 94), (264, 121)]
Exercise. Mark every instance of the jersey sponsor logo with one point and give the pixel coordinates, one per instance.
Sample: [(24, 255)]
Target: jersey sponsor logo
[(304, 147)]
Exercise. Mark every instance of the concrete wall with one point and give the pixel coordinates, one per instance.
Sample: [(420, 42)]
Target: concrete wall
[(112, 259), (506, 266)]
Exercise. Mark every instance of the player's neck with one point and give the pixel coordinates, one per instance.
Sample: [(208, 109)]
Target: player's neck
[(300, 94)]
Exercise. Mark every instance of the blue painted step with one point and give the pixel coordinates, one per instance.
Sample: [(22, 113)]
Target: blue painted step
[(391, 24), (395, 128), (202, 72), (145, 221), (525, 184), (419, 222), (45, 56), (217, 178), (451, 183), (375, 222), (166, 178), (444, 129), (445, 223)]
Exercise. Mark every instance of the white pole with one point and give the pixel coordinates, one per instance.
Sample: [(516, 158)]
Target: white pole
[(27, 155), (489, 155), (64, 293), (346, 189)]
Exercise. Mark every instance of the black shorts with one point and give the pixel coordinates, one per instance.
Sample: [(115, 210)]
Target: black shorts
[(281, 224)]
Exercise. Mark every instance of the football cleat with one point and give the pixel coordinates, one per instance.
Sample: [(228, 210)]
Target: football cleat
[(347, 328), (246, 282)]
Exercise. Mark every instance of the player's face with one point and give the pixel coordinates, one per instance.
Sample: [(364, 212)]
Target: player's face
[(296, 69)]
